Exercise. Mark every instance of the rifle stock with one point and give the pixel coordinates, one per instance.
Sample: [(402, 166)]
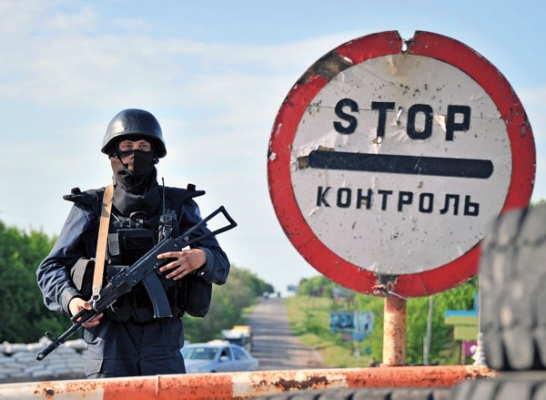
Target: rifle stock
[(145, 270)]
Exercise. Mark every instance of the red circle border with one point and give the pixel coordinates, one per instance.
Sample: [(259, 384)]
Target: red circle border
[(359, 50)]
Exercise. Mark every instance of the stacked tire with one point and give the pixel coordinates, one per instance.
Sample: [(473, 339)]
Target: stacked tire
[(513, 309)]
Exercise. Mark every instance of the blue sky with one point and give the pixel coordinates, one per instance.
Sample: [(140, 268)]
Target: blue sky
[(215, 74)]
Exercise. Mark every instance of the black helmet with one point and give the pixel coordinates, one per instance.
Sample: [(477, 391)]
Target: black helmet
[(134, 122)]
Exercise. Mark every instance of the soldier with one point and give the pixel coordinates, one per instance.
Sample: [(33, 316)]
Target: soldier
[(126, 340)]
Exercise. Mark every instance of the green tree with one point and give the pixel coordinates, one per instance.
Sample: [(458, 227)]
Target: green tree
[(24, 315), (25, 318), (228, 303), (459, 298), (442, 351), (317, 286), (251, 281)]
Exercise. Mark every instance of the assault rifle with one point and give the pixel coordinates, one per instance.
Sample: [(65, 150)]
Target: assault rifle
[(145, 270)]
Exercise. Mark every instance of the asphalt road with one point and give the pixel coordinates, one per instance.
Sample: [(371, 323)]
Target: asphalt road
[(274, 344)]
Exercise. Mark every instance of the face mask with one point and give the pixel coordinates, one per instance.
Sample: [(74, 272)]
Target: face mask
[(133, 170), (136, 162)]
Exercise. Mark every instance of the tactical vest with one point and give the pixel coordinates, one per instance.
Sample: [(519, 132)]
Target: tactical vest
[(129, 238)]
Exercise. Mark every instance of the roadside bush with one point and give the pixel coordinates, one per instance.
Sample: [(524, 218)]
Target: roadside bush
[(315, 320), (25, 318), (228, 304)]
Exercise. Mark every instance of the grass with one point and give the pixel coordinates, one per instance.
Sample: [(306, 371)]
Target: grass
[(309, 319)]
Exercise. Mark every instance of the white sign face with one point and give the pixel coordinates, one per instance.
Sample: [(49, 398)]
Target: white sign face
[(400, 164)]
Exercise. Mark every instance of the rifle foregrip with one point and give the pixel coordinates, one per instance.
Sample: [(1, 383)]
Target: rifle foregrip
[(56, 342), (45, 352), (77, 321)]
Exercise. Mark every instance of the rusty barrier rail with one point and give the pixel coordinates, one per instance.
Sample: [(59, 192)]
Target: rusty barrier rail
[(242, 385)]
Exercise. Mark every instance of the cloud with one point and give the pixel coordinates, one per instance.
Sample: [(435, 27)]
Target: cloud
[(66, 68)]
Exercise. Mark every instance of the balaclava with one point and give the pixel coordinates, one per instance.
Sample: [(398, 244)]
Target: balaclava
[(135, 181)]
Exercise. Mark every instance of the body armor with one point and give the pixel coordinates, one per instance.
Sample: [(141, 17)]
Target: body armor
[(129, 238)]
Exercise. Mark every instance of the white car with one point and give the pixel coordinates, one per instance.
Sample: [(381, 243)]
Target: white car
[(217, 356)]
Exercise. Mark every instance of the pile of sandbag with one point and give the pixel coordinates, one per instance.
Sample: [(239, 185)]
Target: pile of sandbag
[(18, 362)]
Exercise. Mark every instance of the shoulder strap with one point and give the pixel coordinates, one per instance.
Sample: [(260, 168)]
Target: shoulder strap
[(100, 256), (178, 196)]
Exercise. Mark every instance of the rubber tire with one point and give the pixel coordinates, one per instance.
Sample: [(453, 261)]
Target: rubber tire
[(529, 385), (512, 304), (364, 394)]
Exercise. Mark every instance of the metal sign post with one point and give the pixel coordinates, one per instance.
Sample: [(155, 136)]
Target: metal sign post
[(390, 158), (394, 332)]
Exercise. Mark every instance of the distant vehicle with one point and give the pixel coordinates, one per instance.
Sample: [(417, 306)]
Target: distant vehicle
[(217, 356), (240, 335)]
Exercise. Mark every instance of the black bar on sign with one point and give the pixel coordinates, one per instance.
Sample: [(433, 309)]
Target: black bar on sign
[(398, 164)]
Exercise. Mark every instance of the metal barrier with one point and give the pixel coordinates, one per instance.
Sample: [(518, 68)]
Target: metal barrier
[(242, 385)]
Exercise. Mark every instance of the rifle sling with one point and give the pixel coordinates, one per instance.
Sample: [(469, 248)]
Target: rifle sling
[(100, 257)]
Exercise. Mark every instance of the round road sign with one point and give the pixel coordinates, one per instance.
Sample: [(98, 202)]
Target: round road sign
[(390, 159)]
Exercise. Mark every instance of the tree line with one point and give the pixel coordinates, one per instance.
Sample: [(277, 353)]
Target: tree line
[(25, 318), (443, 349)]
